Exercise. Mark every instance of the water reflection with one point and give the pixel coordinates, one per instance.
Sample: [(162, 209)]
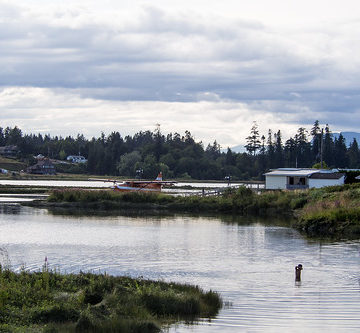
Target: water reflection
[(4, 258), (138, 213), (10, 208), (251, 263)]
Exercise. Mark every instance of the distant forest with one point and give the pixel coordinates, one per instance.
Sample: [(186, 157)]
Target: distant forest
[(179, 156)]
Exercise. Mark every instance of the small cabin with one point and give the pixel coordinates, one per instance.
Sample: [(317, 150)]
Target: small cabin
[(296, 179)]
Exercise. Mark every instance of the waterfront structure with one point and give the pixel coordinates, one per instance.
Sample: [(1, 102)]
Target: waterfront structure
[(294, 178)]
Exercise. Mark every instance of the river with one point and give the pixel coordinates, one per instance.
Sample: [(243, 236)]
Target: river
[(250, 263)]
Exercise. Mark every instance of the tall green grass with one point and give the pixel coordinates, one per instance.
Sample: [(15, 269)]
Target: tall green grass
[(332, 212), (51, 302)]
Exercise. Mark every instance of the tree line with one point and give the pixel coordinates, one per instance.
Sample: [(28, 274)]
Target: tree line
[(305, 149), (146, 153)]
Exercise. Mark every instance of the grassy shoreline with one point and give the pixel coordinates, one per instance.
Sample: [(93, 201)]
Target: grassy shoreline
[(47, 301), (326, 212), (242, 201), (331, 212), (21, 189)]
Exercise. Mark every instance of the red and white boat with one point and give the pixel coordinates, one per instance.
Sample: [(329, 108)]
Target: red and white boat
[(139, 185)]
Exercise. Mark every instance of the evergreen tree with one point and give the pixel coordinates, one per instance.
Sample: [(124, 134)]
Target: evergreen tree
[(340, 152), (353, 155), (279, 156), (262, 156), (270, 151), (213, 151), (328, 147), (13, 136), (303, 149), (290, 152), (253, 141), (316, 141), (230, 157), (159, 140), (2, 137)]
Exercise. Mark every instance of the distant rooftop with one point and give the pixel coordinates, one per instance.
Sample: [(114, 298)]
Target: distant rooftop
[(293, 172), (319, 175)]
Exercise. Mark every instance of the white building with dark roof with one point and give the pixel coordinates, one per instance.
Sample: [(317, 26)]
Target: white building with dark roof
[(76, 159), (292, 179)]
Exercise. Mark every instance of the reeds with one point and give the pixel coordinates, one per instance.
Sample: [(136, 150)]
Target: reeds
[(241, 201), (332, 212), (88, 302)]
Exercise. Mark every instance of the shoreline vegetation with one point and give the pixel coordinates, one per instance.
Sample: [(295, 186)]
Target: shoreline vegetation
[(22, 189), (331, 212), (242, 201), (48, 301)]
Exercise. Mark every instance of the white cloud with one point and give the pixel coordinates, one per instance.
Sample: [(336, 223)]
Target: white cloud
[(60, 112), (210, 71)]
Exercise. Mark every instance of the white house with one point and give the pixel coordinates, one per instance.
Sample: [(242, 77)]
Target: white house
[(76, 159), (292, 179)]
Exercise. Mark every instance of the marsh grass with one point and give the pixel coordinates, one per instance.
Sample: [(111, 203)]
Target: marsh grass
[(332, 211), (22, 189), (242, 201), (51, 302)]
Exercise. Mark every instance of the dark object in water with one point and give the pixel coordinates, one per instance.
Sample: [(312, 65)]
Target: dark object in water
[(298, 270)]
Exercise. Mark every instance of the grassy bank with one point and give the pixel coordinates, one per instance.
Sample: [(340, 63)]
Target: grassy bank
[(22, 189), (242, 201), (11, 164), (331, 212), (50, 302)]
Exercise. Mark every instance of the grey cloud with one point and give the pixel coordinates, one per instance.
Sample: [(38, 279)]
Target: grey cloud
[(183, 57)]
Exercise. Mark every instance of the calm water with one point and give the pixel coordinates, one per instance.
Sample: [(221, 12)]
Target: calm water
[(251, 265)]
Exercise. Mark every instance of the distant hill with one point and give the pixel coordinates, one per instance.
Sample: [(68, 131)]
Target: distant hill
[(235, 149)]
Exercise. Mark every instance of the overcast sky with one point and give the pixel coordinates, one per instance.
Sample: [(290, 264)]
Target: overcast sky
[(210, 67)]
